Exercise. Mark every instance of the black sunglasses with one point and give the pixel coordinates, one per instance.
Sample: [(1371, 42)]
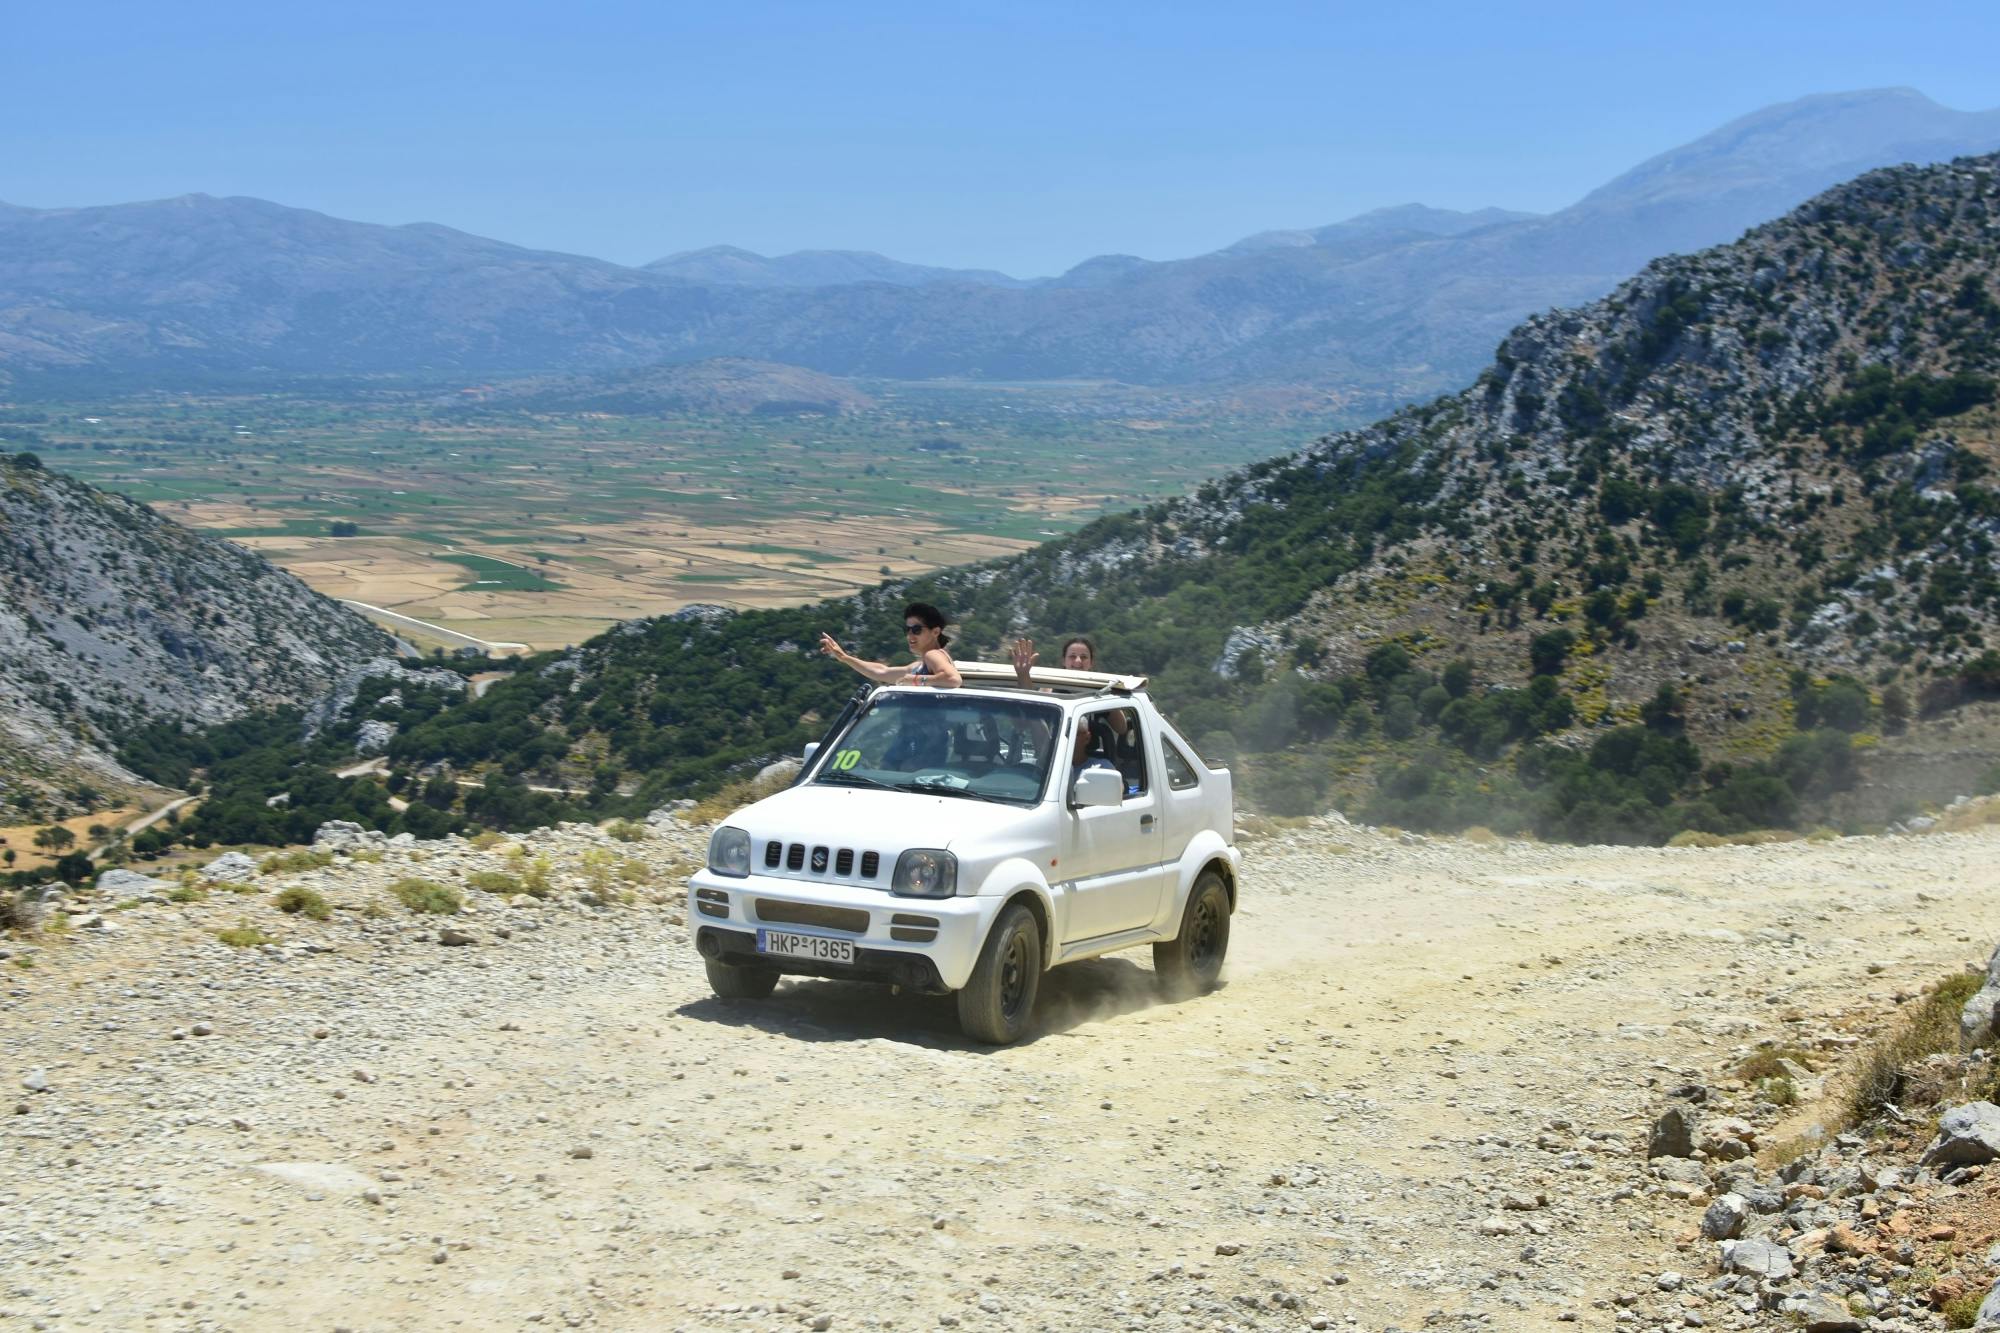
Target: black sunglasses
[(909, 628)]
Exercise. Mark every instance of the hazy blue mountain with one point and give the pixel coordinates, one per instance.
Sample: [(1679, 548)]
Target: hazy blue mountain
[(726, 265), (1401, 222), (1382, 308)]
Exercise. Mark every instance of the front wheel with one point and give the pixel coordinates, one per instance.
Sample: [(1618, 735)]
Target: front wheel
[(1000, 998), (736, 981), (1191, 963)]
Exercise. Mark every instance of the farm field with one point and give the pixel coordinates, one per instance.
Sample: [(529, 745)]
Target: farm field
[(544, 529)]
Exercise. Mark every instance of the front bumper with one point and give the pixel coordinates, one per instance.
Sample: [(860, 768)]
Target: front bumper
[(925, 943)]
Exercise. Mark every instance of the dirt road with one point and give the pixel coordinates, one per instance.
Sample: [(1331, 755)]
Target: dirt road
[(1420, 1100)]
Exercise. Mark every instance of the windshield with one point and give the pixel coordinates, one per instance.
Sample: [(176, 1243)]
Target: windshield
[(950, 743)]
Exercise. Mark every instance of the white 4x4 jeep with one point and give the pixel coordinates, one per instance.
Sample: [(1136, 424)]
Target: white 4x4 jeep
[(966, 840)]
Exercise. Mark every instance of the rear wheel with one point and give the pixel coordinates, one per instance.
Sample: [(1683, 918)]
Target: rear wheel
[(736, 981), (998, 1001), (1191, 964)]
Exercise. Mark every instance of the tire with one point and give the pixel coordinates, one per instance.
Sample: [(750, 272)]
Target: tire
[(1191, 963), (998, 1002), (735, 981)]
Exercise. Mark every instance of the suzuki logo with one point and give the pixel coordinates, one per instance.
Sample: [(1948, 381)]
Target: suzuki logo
[(819, 860)]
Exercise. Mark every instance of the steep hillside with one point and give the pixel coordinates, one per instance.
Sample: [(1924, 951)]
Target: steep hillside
[(1384, 310), (1689, 558), (111, 616)]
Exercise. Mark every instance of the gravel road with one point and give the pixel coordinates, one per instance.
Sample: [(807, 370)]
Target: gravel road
[(1421, 1099)]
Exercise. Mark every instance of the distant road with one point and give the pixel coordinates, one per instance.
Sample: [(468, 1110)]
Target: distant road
[(144, 822), (490, 648)]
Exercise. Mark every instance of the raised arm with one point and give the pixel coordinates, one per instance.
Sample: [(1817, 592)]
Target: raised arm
[(1024, 661), (878, 672)]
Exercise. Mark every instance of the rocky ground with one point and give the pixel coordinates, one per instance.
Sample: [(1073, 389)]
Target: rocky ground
[(1423, 1099)]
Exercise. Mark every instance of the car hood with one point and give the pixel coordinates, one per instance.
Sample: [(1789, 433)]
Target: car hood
[(880, 820)]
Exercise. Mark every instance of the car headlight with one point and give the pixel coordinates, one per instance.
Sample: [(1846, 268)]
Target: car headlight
[(923, 872), (729, 852)]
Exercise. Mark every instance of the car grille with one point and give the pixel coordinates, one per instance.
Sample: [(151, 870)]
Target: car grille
[(822, 862), (779, 912)]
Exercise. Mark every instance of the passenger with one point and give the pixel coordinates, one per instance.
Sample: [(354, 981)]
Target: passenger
[(1078, 654), (1089, 752), (923, 625)]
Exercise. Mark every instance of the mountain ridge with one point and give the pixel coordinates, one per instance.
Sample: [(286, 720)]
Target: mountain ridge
[(1387, 317)]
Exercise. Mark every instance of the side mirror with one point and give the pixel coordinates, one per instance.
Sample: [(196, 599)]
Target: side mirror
[(812, 748), (1098, 786)]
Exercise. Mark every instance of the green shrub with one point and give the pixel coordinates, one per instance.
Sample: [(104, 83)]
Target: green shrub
[(626, 830), (304, 902), (243, 936), (424, 895), (287, 862), (187, 893), (493, 881)]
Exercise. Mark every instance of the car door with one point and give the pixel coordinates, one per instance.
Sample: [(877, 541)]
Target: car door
[(1112, 852)]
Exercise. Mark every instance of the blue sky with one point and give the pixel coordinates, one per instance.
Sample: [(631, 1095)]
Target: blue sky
[(1020, 136)]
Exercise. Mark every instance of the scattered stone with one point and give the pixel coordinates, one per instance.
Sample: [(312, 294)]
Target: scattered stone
[(583, 1152), (1673, 1134), (453, 937), (1228, 1248), (202, 1030), (316, 1177), (36, 1080), (1819, 1312)]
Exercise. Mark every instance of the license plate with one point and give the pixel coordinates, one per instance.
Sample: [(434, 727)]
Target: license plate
[(819, 948)]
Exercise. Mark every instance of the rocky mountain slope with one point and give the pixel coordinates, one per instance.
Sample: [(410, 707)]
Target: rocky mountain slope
[(1698, 558), (111, 616), (1386, 311)]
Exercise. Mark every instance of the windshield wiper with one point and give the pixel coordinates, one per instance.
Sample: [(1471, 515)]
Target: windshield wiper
[(940, 789), (854, 780)]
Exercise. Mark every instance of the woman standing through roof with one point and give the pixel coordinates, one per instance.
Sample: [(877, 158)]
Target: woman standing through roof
[(923, 626)]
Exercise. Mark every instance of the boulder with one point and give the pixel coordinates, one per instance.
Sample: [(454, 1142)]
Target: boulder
[(779, 770), (341, 835), (1725, 1218), (130, 882), (1976, 1020), (1968, 1135), (1756, 1258), (230, 868), (1673, 1134), (1824, 1312), (1989, 1310), (1726, 1139)]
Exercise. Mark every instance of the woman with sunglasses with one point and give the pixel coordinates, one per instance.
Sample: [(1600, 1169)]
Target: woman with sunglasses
[(923, 626)]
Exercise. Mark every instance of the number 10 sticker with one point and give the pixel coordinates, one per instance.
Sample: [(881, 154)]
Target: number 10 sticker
[(845, 759)]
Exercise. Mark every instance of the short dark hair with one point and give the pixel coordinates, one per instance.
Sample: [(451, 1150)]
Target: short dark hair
[(1078, 638), (931, 616)]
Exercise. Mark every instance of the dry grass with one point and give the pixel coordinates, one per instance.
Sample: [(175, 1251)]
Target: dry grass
[(735, 796), (1694, 838), (243, 936), (493, 881), (1929, 1026), (1767, 1063)]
